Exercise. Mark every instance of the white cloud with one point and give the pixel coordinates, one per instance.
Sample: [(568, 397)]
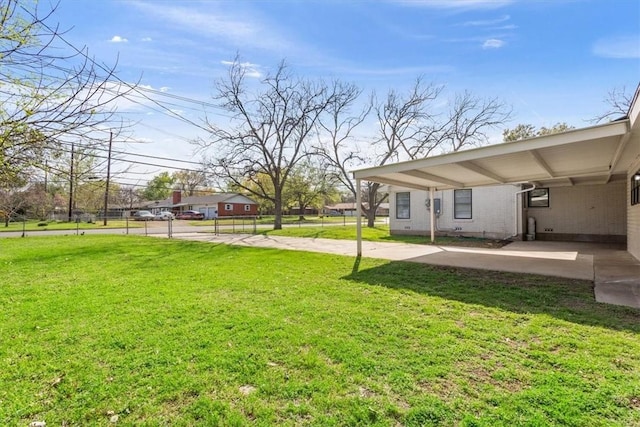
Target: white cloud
[(487, 22), (456, 4), (164, 89), (146, 39), (250, 69), (118, 39), (239, 29), (493, 44), (623, 47)]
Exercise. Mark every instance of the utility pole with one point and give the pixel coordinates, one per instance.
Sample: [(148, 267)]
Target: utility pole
[(46, 175), (71, 183), (106, 188)]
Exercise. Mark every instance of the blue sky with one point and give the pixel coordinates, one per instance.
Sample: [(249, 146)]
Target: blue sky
[(551, 60)]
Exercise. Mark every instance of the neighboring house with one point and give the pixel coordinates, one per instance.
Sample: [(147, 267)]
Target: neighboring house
[(212, 206), (587, 184)]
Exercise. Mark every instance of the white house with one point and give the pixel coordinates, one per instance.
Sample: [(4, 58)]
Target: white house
[(492, 212), (587, 182), (589, 213)]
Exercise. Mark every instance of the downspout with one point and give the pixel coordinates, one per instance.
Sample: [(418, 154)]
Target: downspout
[(515, 210)]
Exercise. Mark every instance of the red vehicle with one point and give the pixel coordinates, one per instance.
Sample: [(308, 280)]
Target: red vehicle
[(190, 215)]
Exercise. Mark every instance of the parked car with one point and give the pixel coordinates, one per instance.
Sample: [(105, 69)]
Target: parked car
[(190, 215), (164, 216), (143, 216)]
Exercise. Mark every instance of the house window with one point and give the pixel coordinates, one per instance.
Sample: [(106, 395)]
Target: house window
[(247, 208), (462, 204), (635, 188), (228, 207), (403, 205), (538, 198)]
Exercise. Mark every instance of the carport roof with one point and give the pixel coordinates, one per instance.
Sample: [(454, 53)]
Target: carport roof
[(593, 155)]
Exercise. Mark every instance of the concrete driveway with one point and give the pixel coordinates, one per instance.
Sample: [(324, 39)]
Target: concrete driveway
[(615, 273)]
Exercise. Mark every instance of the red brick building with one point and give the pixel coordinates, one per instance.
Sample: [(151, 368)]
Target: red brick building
[(212, 206)]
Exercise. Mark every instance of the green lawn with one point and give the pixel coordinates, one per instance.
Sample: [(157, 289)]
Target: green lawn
[(166, 332), (379, 233), (286, 220)]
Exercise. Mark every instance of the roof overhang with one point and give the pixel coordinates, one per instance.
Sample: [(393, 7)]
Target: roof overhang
[(593, 155)]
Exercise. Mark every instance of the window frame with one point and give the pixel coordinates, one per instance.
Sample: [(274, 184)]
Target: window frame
[(247, 208), (537, 204), (228, 206), (406, 205), (456, 203), (635, 188)]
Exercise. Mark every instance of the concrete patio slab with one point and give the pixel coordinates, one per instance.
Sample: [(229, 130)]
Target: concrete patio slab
[(615, 273)]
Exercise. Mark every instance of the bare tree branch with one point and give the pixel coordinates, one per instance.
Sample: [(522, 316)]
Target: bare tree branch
[(269, 132)]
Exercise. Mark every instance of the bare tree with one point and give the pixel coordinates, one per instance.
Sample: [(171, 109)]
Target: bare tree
[(337, 143), (13, 198), (409, 127), (127, 197), (188, 181), (618, 102), (470, 118), (269, 131), (406, 124), (48, 98)]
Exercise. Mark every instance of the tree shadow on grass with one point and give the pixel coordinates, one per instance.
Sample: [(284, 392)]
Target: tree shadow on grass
[(566, 299)]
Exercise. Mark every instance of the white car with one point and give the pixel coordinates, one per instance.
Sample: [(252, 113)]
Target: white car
[(143, 216), (164, 216)]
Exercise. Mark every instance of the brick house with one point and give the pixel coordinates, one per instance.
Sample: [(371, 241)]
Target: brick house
[(212, 206)]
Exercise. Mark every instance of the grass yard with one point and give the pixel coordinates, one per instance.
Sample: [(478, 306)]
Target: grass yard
[(147, 331), (379, 233)]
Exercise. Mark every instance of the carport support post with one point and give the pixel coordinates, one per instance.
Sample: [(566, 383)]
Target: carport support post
[(358, 218), (432, 216)]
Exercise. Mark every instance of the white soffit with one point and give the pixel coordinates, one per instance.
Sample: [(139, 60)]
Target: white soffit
[(590, 155)]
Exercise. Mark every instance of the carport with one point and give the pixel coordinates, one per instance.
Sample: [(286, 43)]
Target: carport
[(595, 155), (599, 154)]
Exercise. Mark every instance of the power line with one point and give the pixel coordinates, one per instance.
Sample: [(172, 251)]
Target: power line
[(148, 156), (138, 162)]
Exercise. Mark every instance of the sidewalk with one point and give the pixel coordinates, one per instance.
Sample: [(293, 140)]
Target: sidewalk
[(514, 257)]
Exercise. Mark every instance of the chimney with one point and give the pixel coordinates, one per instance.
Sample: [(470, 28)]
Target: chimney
[(177, 197)]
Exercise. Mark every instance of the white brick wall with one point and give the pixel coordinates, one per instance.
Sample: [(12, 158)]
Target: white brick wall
[(493, 213), (583, 209), (633, 215)]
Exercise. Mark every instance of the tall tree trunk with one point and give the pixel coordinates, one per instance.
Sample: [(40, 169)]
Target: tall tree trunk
[(371, 218), (277, 206), (302, 207)]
